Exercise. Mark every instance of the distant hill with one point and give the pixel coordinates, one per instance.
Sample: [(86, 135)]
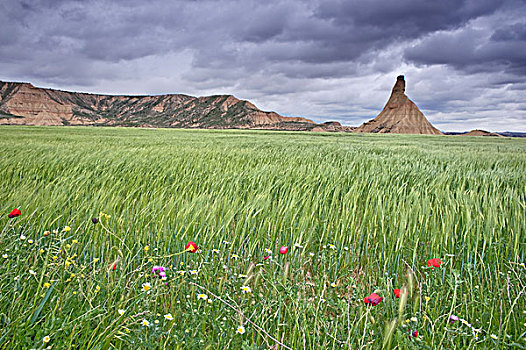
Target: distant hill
[(400, 115), (22, 103)]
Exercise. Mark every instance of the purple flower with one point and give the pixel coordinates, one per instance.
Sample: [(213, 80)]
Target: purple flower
[(453, 318), (94, 220)]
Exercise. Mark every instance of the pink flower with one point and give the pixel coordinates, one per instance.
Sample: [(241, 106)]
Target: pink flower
[(158, 269), (414, 334), (266, 257), (283, 250)]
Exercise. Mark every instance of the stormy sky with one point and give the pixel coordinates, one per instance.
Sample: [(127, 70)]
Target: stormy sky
[(464, 61)]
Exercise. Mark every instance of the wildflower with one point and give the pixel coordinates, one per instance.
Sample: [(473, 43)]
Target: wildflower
[(283, 250), (235, 256), (414, 333), (67, 229), (145, 323), (414, 319), (146, 248), (266, 257), (246, 289), (453, 318), (226, 242), (240, 330), (31, 272), (202, 296), (333, 285), (268, 251), (373, 299), (68, 246), (47, 285), (346, 249), (96, 260), (158, 269), (191, 247), (332, 246), (55, 231), (162, 274), (46, 233), (46, 339), (397, 292), (30, 241), (14, 213), (242, 275), (121, 311), (493, 336), (4, 256), (113, 267), (97, 289), (74, 241), (146, 287), (193, 272), (94, 221), (298, 246), (168, 317), (41, 251), (181, 272), (427, 298), (22, 237), (215, 251), (434, 263)]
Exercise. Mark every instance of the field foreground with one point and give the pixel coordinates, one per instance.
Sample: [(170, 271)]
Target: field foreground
[(441, 219)]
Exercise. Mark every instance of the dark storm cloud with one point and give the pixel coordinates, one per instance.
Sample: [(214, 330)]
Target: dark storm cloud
[(318, 58)]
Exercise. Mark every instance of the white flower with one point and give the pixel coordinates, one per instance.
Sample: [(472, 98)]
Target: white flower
[(333, 285), (235, 256), (494, 336), (202, 296), (268, 251), (121, 311), (297, 245), (414, 319), (332, 246), (46, 339), (31, 272), (168, 317), (346, 248), (215, 251), (22, 237), (246, 289), (145, 323), (193, 272), (4, 256), (242, 276), (240, 330), (146, 287)]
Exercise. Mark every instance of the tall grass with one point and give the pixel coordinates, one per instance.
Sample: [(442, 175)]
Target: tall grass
[(366, 212)]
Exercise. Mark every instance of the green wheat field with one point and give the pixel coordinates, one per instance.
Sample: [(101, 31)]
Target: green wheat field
[(361, 215)]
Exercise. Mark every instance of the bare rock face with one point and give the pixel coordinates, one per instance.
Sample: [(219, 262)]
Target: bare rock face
[(478, 132), (400, 116), (22, 103)]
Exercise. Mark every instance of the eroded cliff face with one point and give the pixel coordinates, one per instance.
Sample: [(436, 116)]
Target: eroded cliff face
[(22, 103), (400, 116)]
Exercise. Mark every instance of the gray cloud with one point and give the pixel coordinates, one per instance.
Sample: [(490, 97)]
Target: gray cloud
[(324, 59)]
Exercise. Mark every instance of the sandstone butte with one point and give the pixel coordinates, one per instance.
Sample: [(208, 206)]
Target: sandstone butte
[(400, 116), (24, 104), (478, 132)]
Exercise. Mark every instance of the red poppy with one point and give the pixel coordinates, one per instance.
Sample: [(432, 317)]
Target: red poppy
[(16, 212), (114, 266), (414, 334), (397, 292), (434, 263), (373, 299), (266, 257), (283, 250), (191, 247)]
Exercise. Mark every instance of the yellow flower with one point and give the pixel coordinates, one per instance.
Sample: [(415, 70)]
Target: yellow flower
[(333, 285), (67, 263), (240, 330), (150, 260), (67, 229), (168, 317), (74, 241), (55, 257), (427, 298), (46, 339), (235, 256), (246, 289), (55, 231), (47, 285), (202, 296), (146, 248), (30, 241), (42, 251), (145, 323), (68, 246), (97, 288), (4, 256)]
